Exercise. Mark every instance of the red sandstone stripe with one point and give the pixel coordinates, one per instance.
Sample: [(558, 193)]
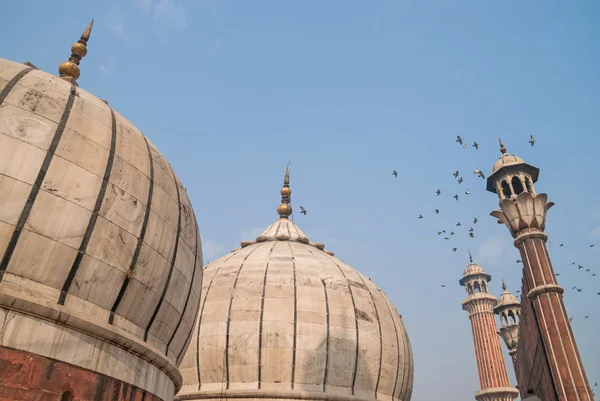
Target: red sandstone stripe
[(477, 354), (484, 351)]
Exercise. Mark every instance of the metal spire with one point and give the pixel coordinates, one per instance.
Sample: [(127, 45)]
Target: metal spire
[(285, 209), (69, 70)]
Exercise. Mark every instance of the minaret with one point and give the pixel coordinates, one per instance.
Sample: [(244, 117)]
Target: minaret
[(508, 310), (493, 376), (524, 213)]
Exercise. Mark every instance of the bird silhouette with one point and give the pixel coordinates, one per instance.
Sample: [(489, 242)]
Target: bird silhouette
[(476, 145), (579, 289), (455, 196), (591, 246), (438, 192), (446, 238), (456, 173), (453, 249), (302, 210), (479, 173), (519, 261), (420, 216), (395, 173), (439, 232), (459, 139), (531, 140), (475, 220), (443, 285), (451, 232), (471, 229), (458, 224), (471, 235), (437, 211), (460, 180), (468, 192), (561, 245)]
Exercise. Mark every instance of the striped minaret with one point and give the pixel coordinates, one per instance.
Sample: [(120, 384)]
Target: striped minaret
[(493, 376), (523, 211)]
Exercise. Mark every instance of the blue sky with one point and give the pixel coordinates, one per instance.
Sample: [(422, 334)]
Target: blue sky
[(348, 91)]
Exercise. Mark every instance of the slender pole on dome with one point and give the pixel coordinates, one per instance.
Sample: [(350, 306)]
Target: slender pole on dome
[(503, 285), (285, 209), (69, 70), (470, 257), (502, 148)]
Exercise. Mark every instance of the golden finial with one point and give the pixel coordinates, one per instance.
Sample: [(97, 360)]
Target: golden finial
[(285, 209), (69, 70), (470, 257), (503, 285), (502, 148)]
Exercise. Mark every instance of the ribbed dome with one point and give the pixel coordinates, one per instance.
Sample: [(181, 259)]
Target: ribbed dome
[(473, 268), (507, 299), (506, 160), (95, 228), (283, 319)]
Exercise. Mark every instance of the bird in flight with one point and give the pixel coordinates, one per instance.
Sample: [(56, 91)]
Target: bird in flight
[(451, 232), (395, 173), (460, 180), (476, 145), (479, 173), (561, 245), (302, 210), (468, 192), (475, 220), (455, 196), (420, 216), (531, 140), (471, 234), (591, 246), (443, 285), (519, 261), (471, 230), (453, 249), (438, 192), (440, 232), (446, 238), (458, 224), (456, 174), (437, 211), (459, 139)]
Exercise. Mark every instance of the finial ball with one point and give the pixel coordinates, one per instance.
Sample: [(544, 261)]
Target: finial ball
[(284, 210), (70, 69), (286, 191), (80, 49)]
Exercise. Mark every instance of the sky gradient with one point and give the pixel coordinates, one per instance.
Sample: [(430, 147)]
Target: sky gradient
[(349, 91)]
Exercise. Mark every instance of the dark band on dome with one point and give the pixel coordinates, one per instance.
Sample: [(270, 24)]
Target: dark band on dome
[(406, 377), (295, 339), (237, 276), (380, 335), (397, 345), (94, 217), (37, 184), (328, 335), (262, 313), (173, 259), (141, 238), (12, 83), (201, 313), (355, 321), (187, 298)]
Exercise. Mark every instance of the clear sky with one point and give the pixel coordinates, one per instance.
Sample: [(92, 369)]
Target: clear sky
[(348, 91)]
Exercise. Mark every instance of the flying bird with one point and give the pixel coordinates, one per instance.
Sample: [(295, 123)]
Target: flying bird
[(471, 235), (439, 232), (479, 173), (451, 232), (456, 174), (443, 285), (420, 216), (475, 220), (438, 192), (395, 173), (446, 238), (453, 249), (531, 140), (437, 211), (519, 261), (557, 274), (459, 139), (561, 245), (591, 246), (468, 192), (476, 145), (460, 180), (471, 230), (458, 224), (455, 196), (302, 210)]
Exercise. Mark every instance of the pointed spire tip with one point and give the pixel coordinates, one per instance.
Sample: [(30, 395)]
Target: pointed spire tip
[(285, 209)]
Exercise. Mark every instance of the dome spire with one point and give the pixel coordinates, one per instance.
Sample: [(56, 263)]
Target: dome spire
[(470, 257), (285, 209), (503, 285), (69, 70), (502, 148)]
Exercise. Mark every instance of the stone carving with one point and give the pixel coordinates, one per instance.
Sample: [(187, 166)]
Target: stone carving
[(525, 212)]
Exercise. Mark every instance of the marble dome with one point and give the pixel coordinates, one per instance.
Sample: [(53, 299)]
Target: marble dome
[(97, 234), (282, 318)]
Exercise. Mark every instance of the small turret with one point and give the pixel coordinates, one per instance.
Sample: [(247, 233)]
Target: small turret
[(509, 311)]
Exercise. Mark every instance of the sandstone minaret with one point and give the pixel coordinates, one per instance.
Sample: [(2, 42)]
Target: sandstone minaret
[(524, 213), (508, 310), (493, 375)]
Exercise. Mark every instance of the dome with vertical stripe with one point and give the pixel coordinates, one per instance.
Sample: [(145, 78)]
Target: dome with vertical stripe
[(282, 318), (96, 230)]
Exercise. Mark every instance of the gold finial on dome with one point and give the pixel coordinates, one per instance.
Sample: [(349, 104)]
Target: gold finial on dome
[(69, 70), (502, 148), (285, 209)]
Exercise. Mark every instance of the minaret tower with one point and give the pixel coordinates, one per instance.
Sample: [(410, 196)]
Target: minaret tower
[(508, 310), (493, 376), (524, 213)]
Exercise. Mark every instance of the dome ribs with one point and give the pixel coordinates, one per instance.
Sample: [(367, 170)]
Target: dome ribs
[(397, 344), (380, 334), (187, 298), (39, 179), (328, 335), (173, 259), (262, 313), (11, 84), (141, 238), (295, 339), (94, 217)]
